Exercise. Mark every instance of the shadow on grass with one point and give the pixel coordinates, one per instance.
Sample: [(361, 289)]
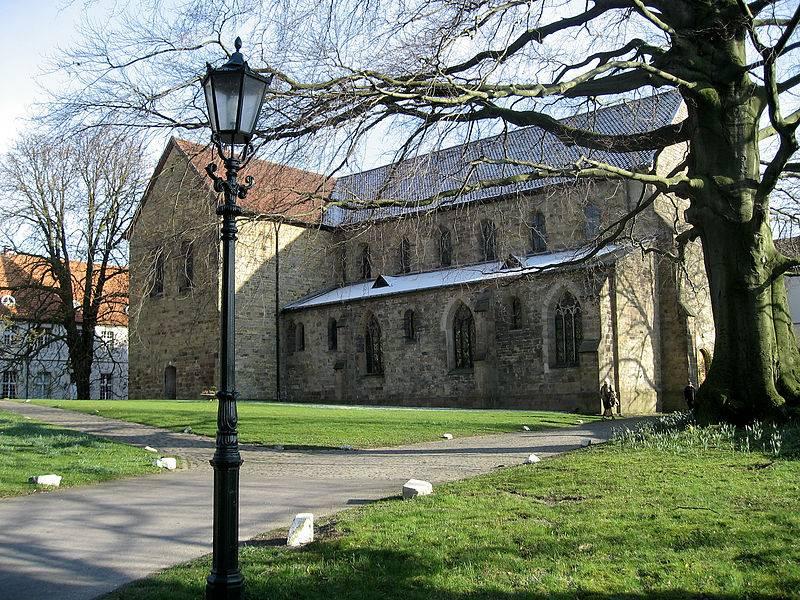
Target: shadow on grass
[(50, 437), (327, 571)]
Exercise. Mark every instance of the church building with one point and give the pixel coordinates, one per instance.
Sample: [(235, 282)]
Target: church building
[(412, 284)]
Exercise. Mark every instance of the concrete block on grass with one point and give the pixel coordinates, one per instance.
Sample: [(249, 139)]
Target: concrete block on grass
[(415, 487), (301, 531), (51, 480), (166, 463)]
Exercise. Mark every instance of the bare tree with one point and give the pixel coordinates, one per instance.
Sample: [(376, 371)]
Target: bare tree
[(66, 207), (446, 68)]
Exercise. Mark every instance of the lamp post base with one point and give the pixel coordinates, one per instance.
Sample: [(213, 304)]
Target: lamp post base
[(224, 588)]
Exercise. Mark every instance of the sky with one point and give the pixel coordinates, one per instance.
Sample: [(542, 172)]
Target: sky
[(32, 32)]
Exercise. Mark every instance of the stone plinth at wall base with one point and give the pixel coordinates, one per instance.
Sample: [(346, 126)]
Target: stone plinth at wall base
[(415, 487), (301, 531)]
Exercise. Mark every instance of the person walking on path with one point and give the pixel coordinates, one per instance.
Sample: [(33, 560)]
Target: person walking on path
[(608, 397), (688, 395)]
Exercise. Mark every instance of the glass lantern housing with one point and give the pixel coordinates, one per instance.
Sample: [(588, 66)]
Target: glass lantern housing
[(234, 95)]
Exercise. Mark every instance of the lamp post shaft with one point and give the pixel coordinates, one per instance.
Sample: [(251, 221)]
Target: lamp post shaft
[(225, 581)]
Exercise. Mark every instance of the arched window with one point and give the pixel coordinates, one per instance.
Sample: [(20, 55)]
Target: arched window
[(592, 214), (488, 240), (405, 256), (157, 275), (366, 262), (538, 233), (516, 313), (409, 325), (463, 337), (291, 337), (568, 331), (300, 333), (333, 335), (445, 247), (186, 269), (372, 341)]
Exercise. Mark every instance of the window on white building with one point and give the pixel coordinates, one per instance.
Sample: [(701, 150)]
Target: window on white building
[(107, 335), (9, 335), (106, 386), (9, 387), (42, 384)]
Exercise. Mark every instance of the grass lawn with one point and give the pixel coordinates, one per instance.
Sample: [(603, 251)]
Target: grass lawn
[(678, 517), (322, 426), (30, 448)]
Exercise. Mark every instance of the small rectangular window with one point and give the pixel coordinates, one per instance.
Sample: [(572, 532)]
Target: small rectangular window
[(106, 386), (107, 338), (42, 384), (9, 387)]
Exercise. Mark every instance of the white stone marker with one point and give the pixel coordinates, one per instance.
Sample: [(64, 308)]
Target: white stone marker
[(415, 487), (532, 459), (166, 463), (150, 449), (586, 443), (525, 428), (346, 448), (187, 430), (447, 436), (302, 530), (52, 479)]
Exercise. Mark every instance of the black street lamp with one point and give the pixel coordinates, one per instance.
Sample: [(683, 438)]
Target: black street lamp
[(234, 95)]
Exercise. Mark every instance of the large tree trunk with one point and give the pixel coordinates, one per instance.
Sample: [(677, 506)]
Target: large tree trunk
[(754, 371)]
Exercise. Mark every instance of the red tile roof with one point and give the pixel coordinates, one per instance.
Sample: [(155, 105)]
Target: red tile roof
[(279, 190), (30, 281)]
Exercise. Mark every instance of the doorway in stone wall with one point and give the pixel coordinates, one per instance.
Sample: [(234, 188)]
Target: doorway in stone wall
[(170, 384)]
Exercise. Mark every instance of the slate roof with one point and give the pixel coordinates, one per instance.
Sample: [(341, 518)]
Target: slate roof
[(388, 285), (422, 177)]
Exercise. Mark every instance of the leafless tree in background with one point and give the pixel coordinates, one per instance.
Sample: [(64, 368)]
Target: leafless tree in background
[(66, 207)]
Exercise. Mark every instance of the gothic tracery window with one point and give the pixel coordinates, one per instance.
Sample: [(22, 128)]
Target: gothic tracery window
[(372, 341), (464, 337), (568, 330)]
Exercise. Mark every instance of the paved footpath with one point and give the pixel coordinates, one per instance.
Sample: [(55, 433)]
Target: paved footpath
[(76, 544)]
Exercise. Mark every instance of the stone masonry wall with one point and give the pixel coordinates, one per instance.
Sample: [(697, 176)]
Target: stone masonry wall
[(178, 329), (305, 266), (513, 367)]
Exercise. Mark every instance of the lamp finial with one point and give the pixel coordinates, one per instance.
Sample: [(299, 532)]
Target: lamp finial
[(238, 43)]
